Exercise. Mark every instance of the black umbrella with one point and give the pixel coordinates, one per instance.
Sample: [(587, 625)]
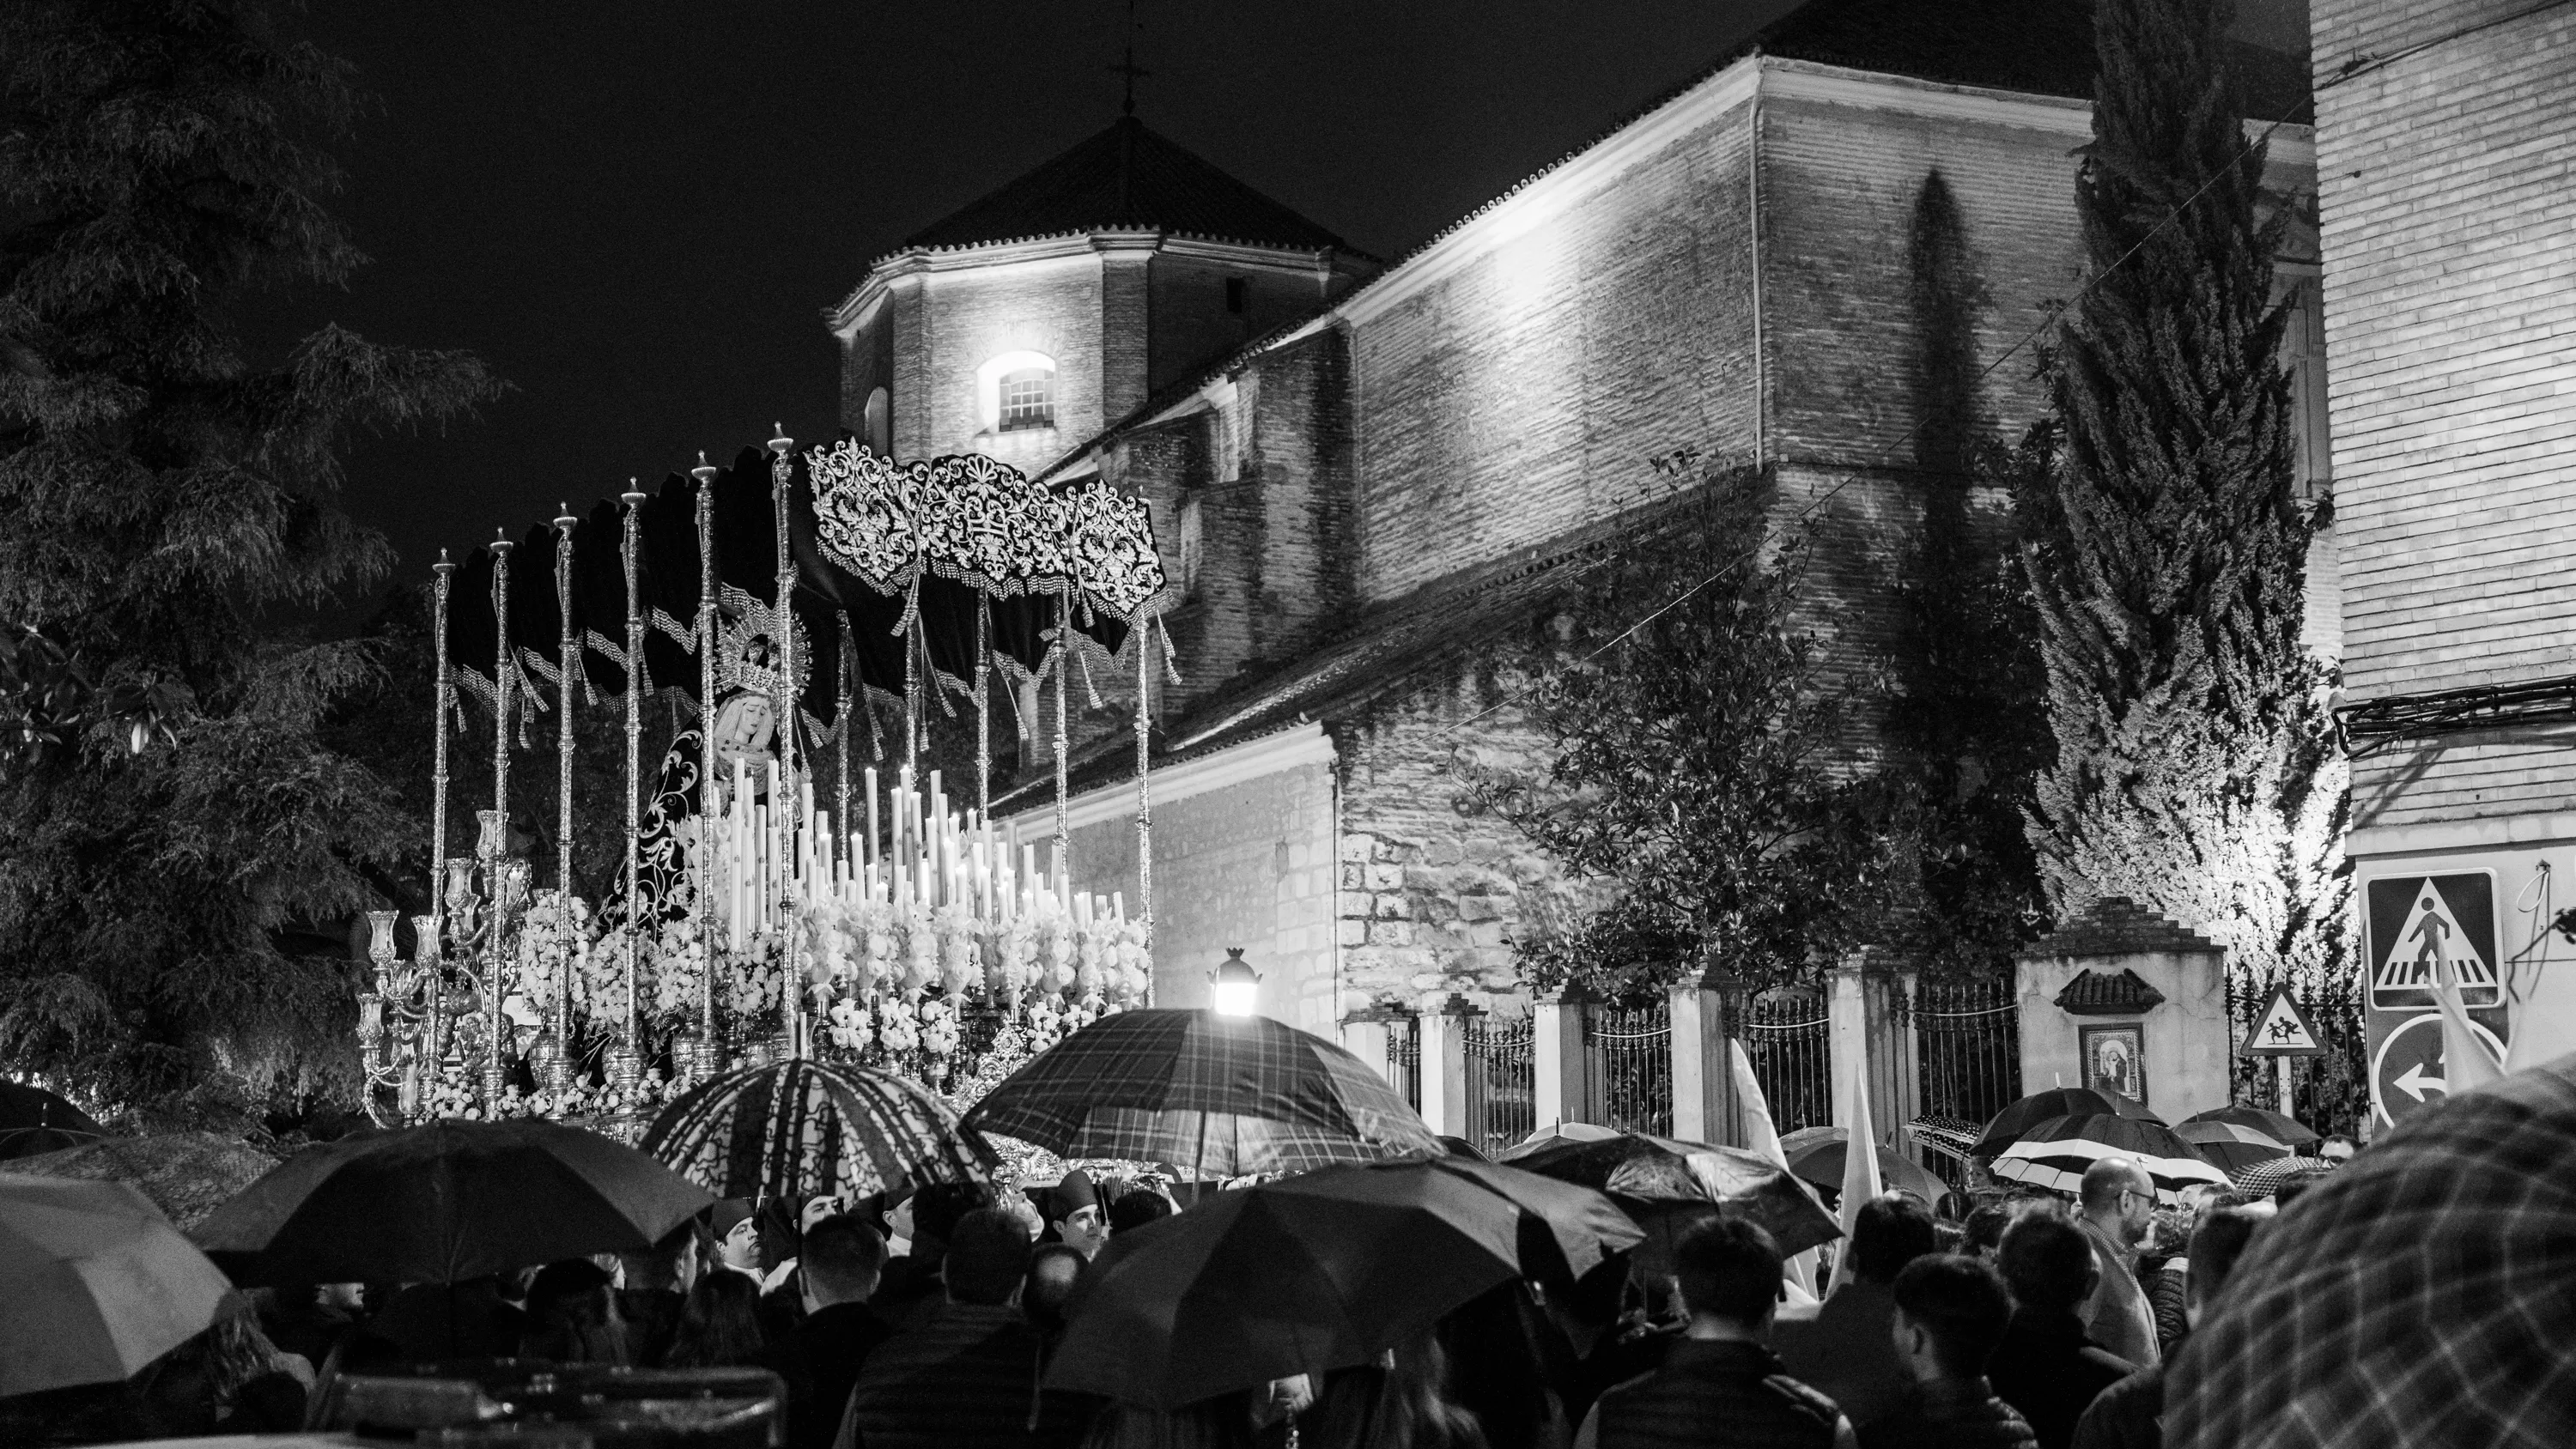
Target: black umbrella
[(1213, 1095), (33, 1120), (1644, 1171), (445, 1202), (1314, 1273), (2007, 1125)]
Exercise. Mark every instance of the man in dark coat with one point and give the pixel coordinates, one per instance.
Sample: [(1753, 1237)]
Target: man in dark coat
[(822, 1357), (1951, 1310), (967, 1378), (2046, 1367), (2130, 1413), (914, 1285), (1843, 1348), (1719, 1387)]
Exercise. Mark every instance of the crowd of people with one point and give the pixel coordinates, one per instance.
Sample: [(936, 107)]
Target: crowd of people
[(930, 1320)]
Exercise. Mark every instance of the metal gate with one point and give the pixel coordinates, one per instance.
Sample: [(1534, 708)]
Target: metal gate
[(1967, 1037), (1404, 1058), (1502, 1082), (1787, 1038), (1628, 1067)]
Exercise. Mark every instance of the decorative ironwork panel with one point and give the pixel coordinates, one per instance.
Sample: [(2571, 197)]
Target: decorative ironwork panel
[(1968, 1051), (1788, 1041), (1502, 1082), (1404, 1060), (1628, 1067)]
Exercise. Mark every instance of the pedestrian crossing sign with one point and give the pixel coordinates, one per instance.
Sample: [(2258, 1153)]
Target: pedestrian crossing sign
[(2421, 929), (2283, 1029)]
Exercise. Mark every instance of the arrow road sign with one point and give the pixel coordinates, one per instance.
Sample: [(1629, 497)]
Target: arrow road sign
[(2407, 1074)]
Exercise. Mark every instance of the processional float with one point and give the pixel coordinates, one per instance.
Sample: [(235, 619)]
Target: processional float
[(767, 907)]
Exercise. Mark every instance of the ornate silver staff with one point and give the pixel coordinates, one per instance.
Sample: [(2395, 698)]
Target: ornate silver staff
[(782, 468), (426, 949), (496, 848), (710, 1049), (565, 655), (626, 1062), (1144, 638)]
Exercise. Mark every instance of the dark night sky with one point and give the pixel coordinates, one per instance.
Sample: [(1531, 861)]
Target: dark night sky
[(635, 211)]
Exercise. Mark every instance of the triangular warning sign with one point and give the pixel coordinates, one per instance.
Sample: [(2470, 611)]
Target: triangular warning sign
[(2432, 945), (2283, 1030)]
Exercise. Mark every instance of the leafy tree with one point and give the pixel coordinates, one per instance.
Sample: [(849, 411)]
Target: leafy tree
[(2196, 770), (168, 496), (1693, 763)]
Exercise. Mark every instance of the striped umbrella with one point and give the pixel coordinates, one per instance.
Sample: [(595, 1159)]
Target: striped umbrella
[(1213, 1095), (2227, 1145), (2265, 1178), (2277, 1126), (801, 1127), (2010, 1123), (2054, 1154)]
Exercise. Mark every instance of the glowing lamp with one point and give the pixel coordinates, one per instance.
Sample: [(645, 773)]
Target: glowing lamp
[(1236, 985)]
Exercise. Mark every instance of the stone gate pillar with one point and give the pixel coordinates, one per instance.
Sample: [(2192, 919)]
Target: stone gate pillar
[(1869, 1014), (1556, 1060), (1705, 1016)]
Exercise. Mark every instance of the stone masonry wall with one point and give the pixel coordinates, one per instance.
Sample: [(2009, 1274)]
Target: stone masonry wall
[(2449, 216), (1052, 307)]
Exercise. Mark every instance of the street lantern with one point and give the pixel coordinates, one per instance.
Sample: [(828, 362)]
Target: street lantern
[(1237, 986)]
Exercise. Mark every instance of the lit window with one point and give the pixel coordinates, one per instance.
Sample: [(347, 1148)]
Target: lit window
[(1027, 399)]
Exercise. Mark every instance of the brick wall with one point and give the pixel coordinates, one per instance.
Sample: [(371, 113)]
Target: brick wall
[(1521, 395), (2449, 214)]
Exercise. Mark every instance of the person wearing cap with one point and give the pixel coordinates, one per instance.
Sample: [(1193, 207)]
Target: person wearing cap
[(1074, 1216), (737, 1233)]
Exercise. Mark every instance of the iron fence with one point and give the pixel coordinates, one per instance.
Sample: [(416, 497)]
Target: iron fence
[(1502, 1081), (1628, 1066), (1787, 1039), (1967, 1038), (1404, 1059)]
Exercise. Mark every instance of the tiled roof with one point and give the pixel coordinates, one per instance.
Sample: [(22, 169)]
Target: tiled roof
[(1125, 177), (2116, 926), (2099, 993)]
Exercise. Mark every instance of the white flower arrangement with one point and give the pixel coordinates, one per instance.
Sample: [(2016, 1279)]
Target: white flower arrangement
[(452, 1094), (849, 1025), (1055, 952), (552, 935), (1133, 979), (599, 977), (1010, 961), (752, 979), (939, 1028), (1090, 955), (918, 965), (955, 929), (677, 974), (897, 1027)]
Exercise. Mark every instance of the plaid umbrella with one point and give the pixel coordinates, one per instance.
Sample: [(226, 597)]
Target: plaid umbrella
[(98, 1284), (1650, 1175), (2010, 1123), (802, 1128), (1212, 1095), (2265, 1178), (2278, 1126), (2054, 1154), (2417, 1295)]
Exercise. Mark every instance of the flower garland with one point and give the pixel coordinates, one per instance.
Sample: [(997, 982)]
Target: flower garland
[(553, 935)]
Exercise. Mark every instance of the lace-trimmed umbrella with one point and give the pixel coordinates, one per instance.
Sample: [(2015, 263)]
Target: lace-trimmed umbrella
[(804, 1128), (2278, 1126), (2268, 1177), (2231, 1147), (2008, 1125), (1215, 1096)]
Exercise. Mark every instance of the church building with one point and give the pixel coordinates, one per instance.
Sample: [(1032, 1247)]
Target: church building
[(1374, 481)]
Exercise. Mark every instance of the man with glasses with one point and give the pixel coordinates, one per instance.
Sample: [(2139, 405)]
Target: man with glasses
[(2119, 1206)]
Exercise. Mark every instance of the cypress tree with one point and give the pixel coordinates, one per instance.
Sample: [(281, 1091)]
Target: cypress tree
[(2195, 771), (170, 496)]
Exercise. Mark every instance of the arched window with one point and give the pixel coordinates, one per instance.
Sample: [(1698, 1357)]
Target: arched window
[(1193, 547), (1015, 393)]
